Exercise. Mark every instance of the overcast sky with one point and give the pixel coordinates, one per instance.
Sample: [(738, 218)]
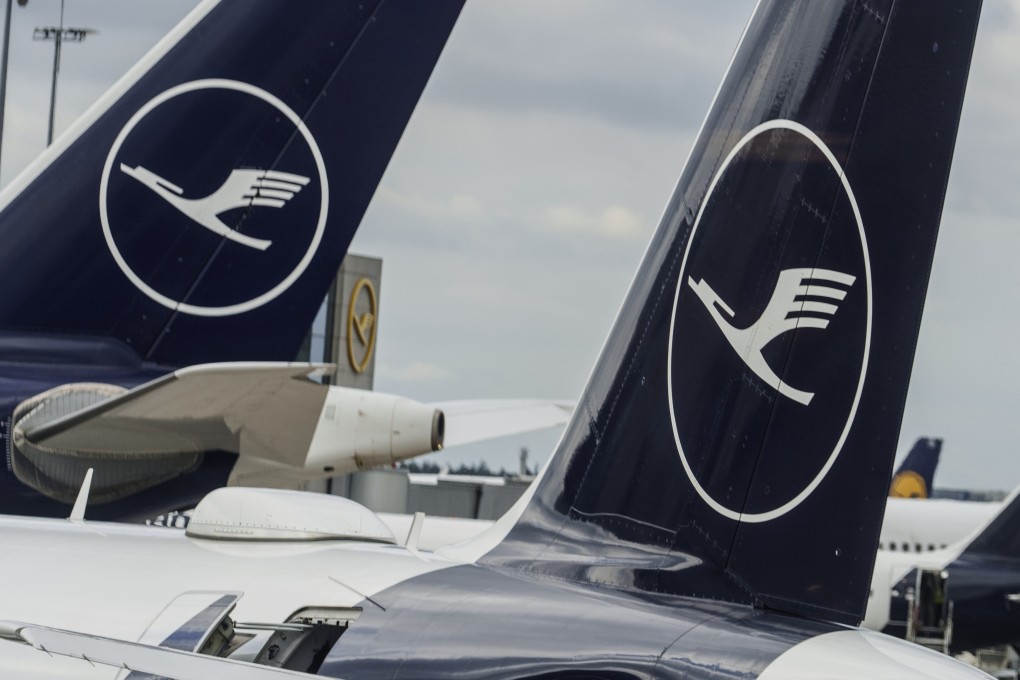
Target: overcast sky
[(522, 196)]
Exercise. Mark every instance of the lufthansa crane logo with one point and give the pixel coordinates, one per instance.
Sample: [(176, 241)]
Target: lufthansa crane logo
[(771, 325), (794, 297), (361, 327), (214, 198), (908, 484), (243, 189)]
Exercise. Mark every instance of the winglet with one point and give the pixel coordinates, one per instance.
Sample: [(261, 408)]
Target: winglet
[(78, 511)]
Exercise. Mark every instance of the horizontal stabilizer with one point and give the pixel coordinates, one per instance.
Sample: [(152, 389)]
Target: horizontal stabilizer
[(157, 661)]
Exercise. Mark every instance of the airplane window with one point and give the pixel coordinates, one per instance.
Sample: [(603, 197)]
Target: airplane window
[(881, 546), (917, 547), (906, 547), (931, 547), (892, 546)]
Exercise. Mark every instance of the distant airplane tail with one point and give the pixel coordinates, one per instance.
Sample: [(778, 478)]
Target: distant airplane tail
[(1000, 536), (916, 474), (199, 210), (685, 469)]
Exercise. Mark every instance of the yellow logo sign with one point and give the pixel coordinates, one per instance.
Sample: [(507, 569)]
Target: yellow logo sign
[(908, 484), (362, 325)]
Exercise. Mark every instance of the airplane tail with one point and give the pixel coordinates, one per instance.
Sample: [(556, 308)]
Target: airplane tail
[(215, 189), (916, 474), (737, 435), (999, 537)]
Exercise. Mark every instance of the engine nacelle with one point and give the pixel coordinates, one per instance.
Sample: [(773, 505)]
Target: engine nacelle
[(360, 429), (285, 430), (57, 472)]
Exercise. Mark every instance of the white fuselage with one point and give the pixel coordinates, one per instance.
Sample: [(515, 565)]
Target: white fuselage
[(115, 580), (915, 525)]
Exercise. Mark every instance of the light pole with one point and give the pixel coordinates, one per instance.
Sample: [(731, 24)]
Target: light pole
[(58, 34), (3, 71)]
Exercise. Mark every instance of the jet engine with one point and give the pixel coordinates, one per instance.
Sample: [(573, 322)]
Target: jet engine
[(56, 472), (285, 428)]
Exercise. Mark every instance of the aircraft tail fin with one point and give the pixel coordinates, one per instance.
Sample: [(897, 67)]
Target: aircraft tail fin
[(199, 210), (916, 474), (737, 435), (1000, 536)]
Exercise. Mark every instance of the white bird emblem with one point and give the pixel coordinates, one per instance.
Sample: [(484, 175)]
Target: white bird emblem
[(243, 189), (785, 312)]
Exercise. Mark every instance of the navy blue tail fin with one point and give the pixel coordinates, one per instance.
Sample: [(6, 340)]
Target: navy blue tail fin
[(1000, 537), (198, 212), (916, 475), (737, 435)]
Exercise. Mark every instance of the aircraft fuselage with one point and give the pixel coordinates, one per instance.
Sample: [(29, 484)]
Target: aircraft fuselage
[(427, 616)]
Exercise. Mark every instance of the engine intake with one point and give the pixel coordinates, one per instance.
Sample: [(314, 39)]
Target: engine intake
[(57, 473)]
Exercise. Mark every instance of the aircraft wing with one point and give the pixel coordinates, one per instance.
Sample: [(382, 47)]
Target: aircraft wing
[(271, 414), (477, 420), (156, 661), (272, 405), (286, 427), (268, 410)]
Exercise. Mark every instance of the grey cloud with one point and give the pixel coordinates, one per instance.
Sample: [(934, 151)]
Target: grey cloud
[(625, 63)]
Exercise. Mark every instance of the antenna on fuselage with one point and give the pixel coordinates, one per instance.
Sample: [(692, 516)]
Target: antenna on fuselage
[(78, 511)]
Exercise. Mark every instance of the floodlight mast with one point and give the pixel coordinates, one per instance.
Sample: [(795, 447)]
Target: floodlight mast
[(3, 71), (58, 34)]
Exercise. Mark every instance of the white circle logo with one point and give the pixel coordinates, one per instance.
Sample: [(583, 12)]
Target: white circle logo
[(155, 244), (774, 300)]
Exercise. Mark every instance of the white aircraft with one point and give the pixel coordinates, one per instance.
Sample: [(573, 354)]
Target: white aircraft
[(657, 541), (916, 523), (913, 526)]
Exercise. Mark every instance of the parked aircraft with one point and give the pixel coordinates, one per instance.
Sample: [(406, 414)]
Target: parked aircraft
[(936, 523), (197, 213), (932, 524), (973, 583), (658, 540)]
